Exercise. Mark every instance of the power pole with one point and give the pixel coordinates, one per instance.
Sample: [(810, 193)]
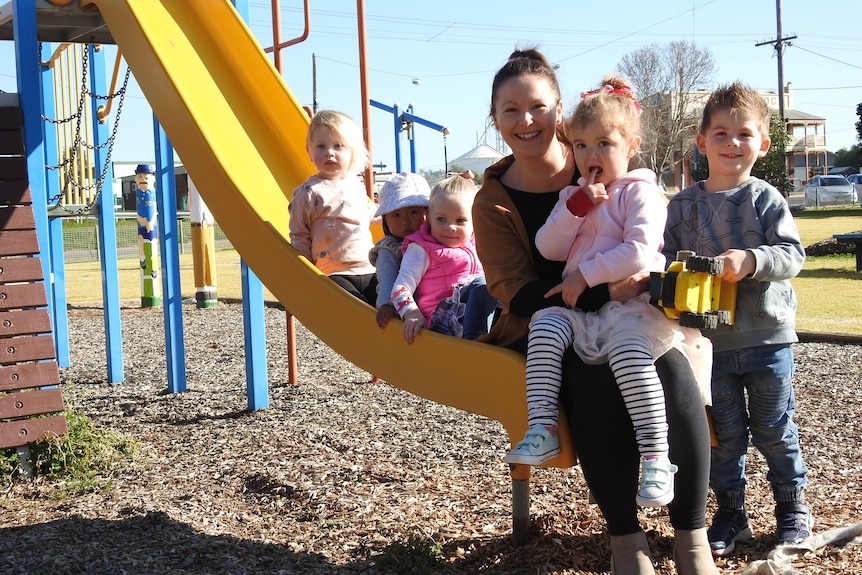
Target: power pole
[(314, 82), (779, 43)]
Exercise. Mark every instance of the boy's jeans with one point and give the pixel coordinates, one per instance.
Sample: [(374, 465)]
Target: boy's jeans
[(765, 373), (480, 308)]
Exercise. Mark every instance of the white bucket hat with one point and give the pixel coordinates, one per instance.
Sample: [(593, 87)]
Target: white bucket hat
[(403, 190)]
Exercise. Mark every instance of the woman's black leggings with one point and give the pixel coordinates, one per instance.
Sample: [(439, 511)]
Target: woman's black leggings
[(603, 436)]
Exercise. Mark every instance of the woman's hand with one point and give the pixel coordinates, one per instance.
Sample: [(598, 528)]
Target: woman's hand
[(414, 321), (384, 314), (629, 288), (571, 288)]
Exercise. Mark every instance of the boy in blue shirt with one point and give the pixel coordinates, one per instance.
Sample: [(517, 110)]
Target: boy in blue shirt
[(747, 223)]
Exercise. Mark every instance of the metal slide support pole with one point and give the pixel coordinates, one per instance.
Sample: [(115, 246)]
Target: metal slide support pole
[(107, 227), (253, 321), (257, 387), (169, 251), (520, 504), (365, 100), (56, 287)]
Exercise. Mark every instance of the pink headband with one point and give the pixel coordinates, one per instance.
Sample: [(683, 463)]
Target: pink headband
[(624, 91)]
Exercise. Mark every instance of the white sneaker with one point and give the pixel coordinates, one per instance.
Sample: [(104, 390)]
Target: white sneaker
[(538, 446), (656, 484)]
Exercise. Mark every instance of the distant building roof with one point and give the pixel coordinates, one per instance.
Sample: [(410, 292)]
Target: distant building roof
[(799, 117), (842, 170)]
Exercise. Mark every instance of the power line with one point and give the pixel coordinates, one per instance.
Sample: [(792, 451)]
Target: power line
[(795, 89), (828, 58)]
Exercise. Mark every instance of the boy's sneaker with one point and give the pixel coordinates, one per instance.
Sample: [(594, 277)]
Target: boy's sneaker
[(728, 527), (793, 522), (538, 446), (656, 483)]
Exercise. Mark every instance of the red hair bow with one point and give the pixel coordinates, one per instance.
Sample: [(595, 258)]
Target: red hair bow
[(624, 91)]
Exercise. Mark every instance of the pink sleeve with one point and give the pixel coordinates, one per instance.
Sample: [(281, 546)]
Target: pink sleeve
[(643, 214), (555, 238)]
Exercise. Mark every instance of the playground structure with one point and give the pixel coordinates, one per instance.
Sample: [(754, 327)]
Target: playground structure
[(241, 134)]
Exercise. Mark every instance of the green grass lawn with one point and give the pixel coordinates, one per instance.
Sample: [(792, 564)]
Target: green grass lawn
[(818, 224), (81, 277), (829, 288)]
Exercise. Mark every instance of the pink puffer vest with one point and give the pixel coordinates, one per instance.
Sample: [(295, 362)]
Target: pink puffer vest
[(446, 267)]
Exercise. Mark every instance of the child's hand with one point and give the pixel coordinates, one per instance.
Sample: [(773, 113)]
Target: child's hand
[(414, 321), (738, 264), (595, 191), (384, 314), (585, 198), (572, 287)]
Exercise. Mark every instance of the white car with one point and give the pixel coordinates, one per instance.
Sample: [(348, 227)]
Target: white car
[(829, 191), (856, 180)]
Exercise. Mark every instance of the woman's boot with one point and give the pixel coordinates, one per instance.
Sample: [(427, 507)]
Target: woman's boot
[(691, 553), (630, 555)]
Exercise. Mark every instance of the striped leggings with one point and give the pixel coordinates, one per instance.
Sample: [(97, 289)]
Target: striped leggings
[(633, 367)]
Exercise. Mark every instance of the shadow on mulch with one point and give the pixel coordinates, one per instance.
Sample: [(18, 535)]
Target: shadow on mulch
[(151, 542)]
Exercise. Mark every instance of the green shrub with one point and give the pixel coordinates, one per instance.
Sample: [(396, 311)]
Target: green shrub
[(84, 458), (416, 553)]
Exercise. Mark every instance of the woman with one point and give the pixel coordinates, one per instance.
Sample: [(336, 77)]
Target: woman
[(516, 197)]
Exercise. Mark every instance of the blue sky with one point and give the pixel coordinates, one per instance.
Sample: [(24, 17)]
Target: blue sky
[(441, 56)]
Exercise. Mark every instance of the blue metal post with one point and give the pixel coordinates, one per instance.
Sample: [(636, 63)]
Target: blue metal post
[(107, 228), (396, 117), (412, 137), (30, 100), (172, 298), (58, 289), (57, 285), (257, 385)]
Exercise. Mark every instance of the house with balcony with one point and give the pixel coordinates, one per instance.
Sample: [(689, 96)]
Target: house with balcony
[(806, 147)]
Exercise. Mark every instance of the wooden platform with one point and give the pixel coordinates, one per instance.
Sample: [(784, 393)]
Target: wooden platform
[(60, 23)]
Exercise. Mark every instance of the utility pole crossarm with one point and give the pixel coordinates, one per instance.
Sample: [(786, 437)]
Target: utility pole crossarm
[(778, 41)]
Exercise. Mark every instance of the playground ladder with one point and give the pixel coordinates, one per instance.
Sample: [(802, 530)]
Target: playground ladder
[(29, 375)]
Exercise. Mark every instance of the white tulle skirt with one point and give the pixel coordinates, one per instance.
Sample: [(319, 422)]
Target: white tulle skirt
[(596, 333)]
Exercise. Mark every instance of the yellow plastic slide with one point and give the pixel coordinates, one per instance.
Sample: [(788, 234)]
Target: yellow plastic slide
[(241, 136)]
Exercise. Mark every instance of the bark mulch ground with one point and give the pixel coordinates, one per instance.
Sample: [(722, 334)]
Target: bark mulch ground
[(340, 473)]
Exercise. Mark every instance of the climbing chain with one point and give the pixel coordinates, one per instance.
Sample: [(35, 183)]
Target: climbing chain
[(68, 165)]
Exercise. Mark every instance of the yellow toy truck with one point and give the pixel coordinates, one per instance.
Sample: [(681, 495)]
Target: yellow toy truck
[(690, 291)]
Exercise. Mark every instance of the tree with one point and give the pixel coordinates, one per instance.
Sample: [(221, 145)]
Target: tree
[(859, 123), (851, 157), (772, 167), (666, 79)]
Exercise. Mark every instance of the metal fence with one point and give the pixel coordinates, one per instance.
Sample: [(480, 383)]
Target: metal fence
[(81, 238)]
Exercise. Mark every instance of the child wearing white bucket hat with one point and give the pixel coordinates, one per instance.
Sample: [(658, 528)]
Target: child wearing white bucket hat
[(403, 203)]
